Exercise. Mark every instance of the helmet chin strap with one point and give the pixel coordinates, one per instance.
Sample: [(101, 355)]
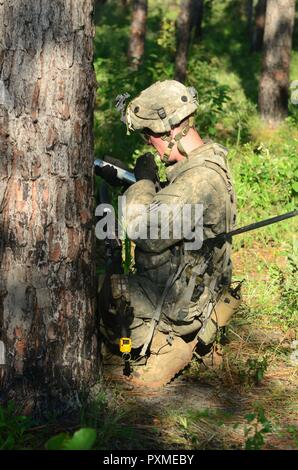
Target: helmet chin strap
[(176, 140)]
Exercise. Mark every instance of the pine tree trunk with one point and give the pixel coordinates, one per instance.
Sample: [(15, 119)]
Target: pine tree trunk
[(47, 277), (137, 34), (250, 18), (183, 37), (274, 82), (259, 24), (197, 17)]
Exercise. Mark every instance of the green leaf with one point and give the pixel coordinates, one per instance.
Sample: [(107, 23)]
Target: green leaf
[(259, 375), (57, 442), (267, 427), (250, 417), (81, 440), (295, 186), (8, 444), (261, 415)]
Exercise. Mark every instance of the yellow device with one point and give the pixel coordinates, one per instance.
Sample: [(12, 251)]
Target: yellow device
[(125, 345)]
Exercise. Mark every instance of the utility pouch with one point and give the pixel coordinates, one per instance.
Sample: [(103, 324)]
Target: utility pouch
[(222, 312), (226, 307), (120, 287), (208, 333)]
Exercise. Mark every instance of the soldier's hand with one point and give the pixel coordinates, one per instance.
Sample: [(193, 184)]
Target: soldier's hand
[(146, 168), (109, 173)]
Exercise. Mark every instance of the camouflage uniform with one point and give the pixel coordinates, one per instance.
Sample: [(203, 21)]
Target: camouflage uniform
[(203, 177), (167, 286)]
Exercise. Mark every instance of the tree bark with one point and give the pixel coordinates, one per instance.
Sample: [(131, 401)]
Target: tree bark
[(258, 26), (138, 33), (183, 37), (47, 277), (250, 18), (197, 17), (274, 82)]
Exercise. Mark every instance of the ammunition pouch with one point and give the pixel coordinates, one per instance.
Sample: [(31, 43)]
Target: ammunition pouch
[(222, 312), (226, 307), (120, 287)]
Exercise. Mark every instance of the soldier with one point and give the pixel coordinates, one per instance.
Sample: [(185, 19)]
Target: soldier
[(177, 298)]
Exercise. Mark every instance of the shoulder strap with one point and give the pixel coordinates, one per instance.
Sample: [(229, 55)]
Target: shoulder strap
[(213, 156)]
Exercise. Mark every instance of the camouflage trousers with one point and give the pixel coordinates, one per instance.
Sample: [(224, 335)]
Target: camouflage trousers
[(127, 305)]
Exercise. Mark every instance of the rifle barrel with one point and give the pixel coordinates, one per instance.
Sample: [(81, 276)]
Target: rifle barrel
[(123, 175), (256, 225)]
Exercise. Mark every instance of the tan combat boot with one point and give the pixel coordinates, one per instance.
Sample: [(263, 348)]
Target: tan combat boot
[(164, 363)]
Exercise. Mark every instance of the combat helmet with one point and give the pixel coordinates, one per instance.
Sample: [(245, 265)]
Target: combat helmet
[(160, 108)]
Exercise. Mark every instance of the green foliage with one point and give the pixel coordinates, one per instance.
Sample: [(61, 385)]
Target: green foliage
[(256, 368), (259, 427), (111, 422), (166, 39), (127, 259), (12, 427), (289, 290), (83, 439), (198, 426), (252, 371), (212, 94), (293, 431), (114, 431), (259, 168), (114, 76), (285, 280), (264, 176)]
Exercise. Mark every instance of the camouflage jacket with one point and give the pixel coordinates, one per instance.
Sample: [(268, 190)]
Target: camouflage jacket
[(202, 178)]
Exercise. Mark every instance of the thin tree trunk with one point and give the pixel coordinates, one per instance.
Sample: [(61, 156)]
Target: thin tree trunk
[(259, 24), (183, 37), (47, 277), (197, 17), (138, 33), (250, 18), (274, 82)]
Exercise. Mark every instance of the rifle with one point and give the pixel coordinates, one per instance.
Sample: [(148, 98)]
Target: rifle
[(113, 258), (129, 178), (123, 175)]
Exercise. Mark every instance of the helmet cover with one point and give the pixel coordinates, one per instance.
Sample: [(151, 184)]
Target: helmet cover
[(161, 107)]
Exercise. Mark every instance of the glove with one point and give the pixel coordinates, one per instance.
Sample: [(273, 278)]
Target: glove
[(109, 173), (146, 168)]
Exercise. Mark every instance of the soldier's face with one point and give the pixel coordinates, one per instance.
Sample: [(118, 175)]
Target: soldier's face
[(154, 140), (159, 144)]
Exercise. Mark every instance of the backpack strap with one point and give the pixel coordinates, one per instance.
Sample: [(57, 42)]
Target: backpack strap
[(218, 164)]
